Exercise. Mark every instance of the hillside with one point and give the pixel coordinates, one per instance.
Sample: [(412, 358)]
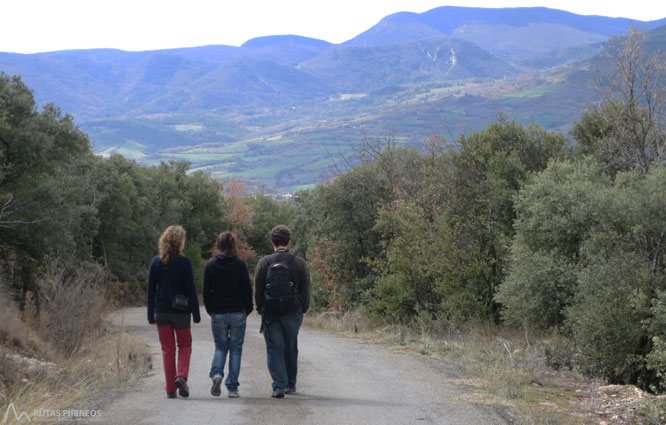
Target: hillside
[(230, 110), (350, 69), (446, 20)]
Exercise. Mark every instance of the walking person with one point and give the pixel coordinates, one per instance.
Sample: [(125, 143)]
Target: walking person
[(172, 301), (282, 295), (227, 296)]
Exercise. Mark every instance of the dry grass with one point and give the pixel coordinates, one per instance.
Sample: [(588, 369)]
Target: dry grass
[(69, 354), (349, 322), (101, 364), (71, 306), (13, 331)]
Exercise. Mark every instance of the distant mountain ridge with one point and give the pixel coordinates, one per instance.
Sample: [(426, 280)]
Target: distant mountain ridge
[(227, 109), (446, 19), (283, 69), (513, 33), (284, 40)]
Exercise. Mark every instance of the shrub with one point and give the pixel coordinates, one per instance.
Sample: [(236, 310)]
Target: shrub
[(556, 212), (588, 257), (606, 318), (71, 305), (13, 332)]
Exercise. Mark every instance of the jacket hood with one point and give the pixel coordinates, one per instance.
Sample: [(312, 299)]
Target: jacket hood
[(223, 262)]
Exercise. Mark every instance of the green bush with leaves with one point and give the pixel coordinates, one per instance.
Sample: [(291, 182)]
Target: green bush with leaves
[(556, 211), (588, 257), (606, 318)]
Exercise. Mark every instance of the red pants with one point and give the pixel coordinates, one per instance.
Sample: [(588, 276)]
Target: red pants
[(168, 337)]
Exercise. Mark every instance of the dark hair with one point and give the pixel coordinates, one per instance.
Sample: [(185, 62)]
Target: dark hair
[(226, 242), (280, 235)]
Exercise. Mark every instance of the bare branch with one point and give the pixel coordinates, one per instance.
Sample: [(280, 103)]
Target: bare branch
[(7, 210), (632, 82)]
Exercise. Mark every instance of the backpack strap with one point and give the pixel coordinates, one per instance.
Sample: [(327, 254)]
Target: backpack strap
[(270, 260)]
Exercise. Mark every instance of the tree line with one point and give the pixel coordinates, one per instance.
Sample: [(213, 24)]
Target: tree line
[(511, 224), (516, 225), (59, 201)]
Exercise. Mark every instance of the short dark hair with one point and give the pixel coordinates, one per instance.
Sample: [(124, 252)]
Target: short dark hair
[(226, 242), (280, 235)]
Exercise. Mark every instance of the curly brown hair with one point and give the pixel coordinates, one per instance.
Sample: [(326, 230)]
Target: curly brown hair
[(172, 242)]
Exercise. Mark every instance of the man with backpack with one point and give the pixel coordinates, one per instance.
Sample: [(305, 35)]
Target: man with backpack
[(282, 295)]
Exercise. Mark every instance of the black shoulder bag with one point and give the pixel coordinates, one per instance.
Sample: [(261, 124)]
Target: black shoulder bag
[(179, 302)]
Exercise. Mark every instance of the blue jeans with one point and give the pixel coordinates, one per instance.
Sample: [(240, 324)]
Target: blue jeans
[(281, 336), (228, 334)]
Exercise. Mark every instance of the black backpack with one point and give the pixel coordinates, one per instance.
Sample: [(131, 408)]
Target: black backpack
[(281, 291)]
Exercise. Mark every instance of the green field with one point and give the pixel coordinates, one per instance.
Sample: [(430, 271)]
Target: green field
[(533, 92), (287, 149)]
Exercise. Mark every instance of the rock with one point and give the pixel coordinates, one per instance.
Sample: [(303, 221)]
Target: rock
[(31, 367)]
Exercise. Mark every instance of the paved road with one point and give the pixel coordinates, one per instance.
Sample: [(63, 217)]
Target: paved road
[(340, 381)]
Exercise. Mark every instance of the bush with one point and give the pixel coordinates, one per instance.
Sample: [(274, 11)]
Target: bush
[(606, 318), (556, 212), (538, 286), (560, 354), (72, 305), (392, 300)]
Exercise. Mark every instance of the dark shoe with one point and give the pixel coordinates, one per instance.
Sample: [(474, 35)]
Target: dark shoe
[(171, 395), (183, 389), (233, 394), (278, 394), (215, 389), (290, 390)]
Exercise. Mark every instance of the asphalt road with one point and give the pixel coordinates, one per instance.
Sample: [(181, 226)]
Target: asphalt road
[(340, 381)]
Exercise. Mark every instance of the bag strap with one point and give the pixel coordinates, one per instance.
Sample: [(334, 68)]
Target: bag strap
[(270, 260), (165, 273)]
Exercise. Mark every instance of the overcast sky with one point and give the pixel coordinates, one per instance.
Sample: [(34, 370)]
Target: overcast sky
[(30, 26)]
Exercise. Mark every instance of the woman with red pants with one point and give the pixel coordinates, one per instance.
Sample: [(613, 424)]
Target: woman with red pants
[(172, 297)]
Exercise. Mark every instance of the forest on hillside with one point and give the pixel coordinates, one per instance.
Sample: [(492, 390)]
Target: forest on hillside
[(511, 224)]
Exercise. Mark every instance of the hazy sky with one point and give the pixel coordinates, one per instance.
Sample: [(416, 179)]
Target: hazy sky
[(30, 26)]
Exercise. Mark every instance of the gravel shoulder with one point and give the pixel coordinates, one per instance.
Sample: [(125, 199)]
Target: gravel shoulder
[(340, 381)]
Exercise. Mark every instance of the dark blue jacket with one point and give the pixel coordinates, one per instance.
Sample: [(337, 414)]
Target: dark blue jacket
[(226, 286), (166, 280)]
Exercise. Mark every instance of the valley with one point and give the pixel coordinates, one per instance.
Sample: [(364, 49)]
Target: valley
[(281, 111)]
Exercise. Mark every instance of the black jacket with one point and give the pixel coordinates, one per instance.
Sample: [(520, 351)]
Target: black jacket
[(227, 287), (166, 280)]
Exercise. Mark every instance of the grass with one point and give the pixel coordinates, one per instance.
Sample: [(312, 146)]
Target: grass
[(198, 158), (50, 362), (73, 383), (502, 367), (533, 92)]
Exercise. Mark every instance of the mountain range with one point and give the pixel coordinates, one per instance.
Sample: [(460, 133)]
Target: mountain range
[(231, 110)]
